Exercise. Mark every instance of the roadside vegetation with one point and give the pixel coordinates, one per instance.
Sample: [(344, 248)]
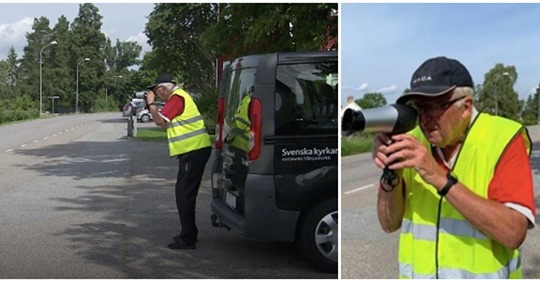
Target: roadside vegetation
[(187, 39), (356, 144)]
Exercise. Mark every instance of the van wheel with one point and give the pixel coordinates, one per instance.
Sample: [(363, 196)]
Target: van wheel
[(145, 118), (318, 237)]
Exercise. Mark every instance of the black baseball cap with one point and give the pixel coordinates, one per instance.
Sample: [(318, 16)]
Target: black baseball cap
[(435, 77), (164, 78)]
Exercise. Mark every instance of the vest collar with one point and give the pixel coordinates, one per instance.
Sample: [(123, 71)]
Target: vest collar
[(450, 163)]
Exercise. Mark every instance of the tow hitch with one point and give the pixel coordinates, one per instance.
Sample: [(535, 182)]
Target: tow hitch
[(216, 223)]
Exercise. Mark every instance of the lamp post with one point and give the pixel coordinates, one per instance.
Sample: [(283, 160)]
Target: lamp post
[(497, 92), (41, 76), (106, 89), (77, 98)]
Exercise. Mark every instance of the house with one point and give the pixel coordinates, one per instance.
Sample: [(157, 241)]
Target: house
[(350, 104)]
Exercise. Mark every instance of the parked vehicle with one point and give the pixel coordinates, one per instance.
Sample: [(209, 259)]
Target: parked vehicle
[(275, 174), (143, 114), (131, 107)]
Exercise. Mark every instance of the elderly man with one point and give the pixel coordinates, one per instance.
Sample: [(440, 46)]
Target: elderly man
[(190, 143), (464, 198)]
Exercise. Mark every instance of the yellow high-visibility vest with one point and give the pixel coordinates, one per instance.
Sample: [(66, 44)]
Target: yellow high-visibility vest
[(436, 240), (187, 132), (240, 131)]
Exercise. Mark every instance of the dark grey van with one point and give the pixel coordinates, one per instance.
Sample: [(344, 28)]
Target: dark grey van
[(275, 175)]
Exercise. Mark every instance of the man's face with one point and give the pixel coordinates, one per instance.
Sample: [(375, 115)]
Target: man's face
[(159, 90), (439, 118)]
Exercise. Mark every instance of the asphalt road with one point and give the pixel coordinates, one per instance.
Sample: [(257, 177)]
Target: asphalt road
[(80, 200), (369, 253)]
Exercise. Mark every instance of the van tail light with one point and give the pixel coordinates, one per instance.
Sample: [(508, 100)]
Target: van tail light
[(219, 123), (255, 117)]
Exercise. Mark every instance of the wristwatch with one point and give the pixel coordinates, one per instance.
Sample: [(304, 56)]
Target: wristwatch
[(451, 180)]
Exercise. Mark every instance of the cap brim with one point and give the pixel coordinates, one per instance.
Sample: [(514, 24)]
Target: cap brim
[(152, 86), (426, 91)]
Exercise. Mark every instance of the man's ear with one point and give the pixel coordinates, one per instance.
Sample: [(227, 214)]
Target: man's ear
[(467, 104)]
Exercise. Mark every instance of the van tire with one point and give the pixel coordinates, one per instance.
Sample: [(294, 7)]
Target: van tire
[(321, 221), (145, 118)]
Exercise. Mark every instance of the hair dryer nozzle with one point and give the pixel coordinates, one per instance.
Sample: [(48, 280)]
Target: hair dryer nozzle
[(392, 119)]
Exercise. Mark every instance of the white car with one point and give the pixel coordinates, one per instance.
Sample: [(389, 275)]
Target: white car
[(131, 107), (144, 115)]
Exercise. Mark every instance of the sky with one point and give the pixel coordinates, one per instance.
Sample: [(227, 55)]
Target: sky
[(122, 21), (383, 44)]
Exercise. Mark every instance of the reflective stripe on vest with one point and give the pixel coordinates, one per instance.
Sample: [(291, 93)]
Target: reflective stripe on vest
[(449, 246), (514, 265), (187, 132)]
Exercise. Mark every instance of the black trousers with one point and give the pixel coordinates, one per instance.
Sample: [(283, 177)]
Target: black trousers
[(190, 171)]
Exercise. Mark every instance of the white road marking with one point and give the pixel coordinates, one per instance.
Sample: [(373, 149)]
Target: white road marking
[(359, 189)]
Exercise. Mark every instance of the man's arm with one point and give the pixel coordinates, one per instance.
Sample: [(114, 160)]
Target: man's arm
[(494, 219), (158, 119), (390, 207)]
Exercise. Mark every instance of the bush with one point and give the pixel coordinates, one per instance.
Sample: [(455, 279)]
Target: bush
[(20, 108), (356, 143)]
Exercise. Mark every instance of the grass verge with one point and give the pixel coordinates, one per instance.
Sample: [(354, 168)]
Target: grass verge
[(155, 134), (356, 144)]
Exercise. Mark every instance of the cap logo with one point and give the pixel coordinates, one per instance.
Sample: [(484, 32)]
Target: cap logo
[(422, 78)]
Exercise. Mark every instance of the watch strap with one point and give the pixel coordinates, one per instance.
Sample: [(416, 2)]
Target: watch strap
[(451, 180)]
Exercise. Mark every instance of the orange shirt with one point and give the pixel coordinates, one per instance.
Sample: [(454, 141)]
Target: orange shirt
[(512, 181)]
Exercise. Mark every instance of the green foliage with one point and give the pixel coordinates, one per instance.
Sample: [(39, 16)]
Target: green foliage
[(155, 134), (174, 31), (102, 105), (497, 95), (356, 143), (207, 105), (18, 108), (530, 109), (371, 100), (245, 29)]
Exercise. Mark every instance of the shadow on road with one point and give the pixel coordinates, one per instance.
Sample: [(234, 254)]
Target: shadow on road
[(124, 193)]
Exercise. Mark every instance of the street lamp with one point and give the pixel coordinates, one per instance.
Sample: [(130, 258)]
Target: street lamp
[(41, 76), (106, 89), (497, 92), (77, 99)]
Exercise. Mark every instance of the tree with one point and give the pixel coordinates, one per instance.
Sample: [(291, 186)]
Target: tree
[(40, 36), (88, 42), (371, 100), (497, 94), (4, 76), (12, 70), (245, 29), (62, 75), (174, 31), (530, 111)]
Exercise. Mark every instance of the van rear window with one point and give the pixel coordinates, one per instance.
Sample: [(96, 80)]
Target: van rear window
[(306, 99)]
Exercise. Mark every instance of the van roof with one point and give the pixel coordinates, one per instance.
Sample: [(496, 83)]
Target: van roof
[(284, 57)]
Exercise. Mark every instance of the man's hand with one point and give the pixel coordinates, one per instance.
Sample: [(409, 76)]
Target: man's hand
[(150, 97), (406, 151), (380, 146)]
